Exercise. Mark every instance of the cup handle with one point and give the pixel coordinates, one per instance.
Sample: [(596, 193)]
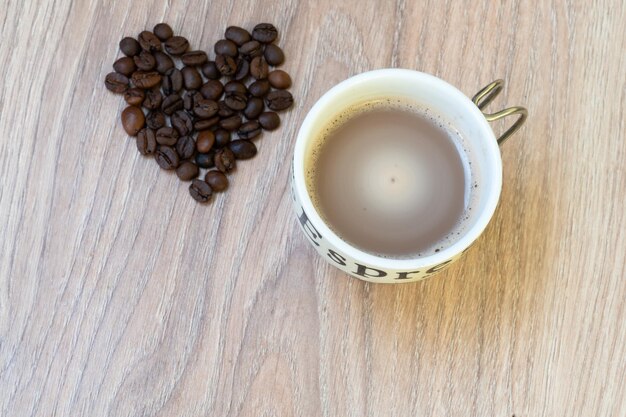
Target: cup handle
[(486, 96)]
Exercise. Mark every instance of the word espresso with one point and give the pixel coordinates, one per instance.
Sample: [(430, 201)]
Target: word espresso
[(184, 108)]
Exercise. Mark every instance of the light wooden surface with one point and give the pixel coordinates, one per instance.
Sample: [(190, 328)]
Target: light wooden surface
[(120, 296)]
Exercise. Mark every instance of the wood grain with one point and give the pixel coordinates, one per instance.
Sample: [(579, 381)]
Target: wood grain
[(120, 296)]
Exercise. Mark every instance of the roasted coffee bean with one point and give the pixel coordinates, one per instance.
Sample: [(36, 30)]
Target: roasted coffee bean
[(167, 136), (153, 99), (194, 58), (259, 68), (237, 35), (222, 138), (212, 90), (134, 96), (205, 160), (163, 62), (149, 41), (210, 71), (216, 180), (236, 101), (133, 120), (187, 171), (146, 141), (182, 122), (144, 61), (249, 130), (231, 123), (176, 45), (269, 120), (116, 82), (163, 31), (204, 108), (225, 47), (242, 149), (225, 64), (259, 88), (224, 160), (145, 80), (206, 123), (166, 157), (155, 120), (125, 65), (274, 55), (200, 191), (279, 79), (173, 81), (185, 147), (235, 87), (191, 78), (172, 103), (243, 69), (205, 141), (188, 100), (279, 100), (264, 33), (129, 46), (251, 49), (224, 111), (254, 108)]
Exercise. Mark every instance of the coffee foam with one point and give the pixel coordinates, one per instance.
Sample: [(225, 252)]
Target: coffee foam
[(467, 155)]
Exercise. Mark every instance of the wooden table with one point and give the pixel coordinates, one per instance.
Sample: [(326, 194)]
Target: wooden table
[(121, 296)]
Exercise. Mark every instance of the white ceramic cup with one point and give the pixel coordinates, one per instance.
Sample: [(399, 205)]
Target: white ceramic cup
[(452, 106)]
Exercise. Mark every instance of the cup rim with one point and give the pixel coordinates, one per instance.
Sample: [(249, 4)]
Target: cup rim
[(472, 233)]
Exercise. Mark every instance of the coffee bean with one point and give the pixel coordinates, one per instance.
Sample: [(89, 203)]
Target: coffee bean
[(249, 130), (237, 35), (155, 120), (129, 46), (216, 180), (235, 87), (269, 120), (167, 136), (176, 45), (259, 88), (206, 123), (210, 71), (254, 108), (205, 141), (200, 191), (173, 81), (279, 79), (224, 111), (146, 141), (279, 100), (172, 103), (224, 160), (191, 78), (133, 120), (148, 41), (153, 99), (236, 101), (144, 61), (166, 157), (182, 122), (274, 55), (243, 69), (194, 58), (116, 82), (134, 96), (163, 62), (204, 108), (185, 147), (146, 80), (225, 64), (222, 138), (225, 47), (187, 171), (125, 65), (212, 90), (188, 100), (264, 33), (259, 68), (242, 149), (205, 160), (163, 31), (231, 123), (251, 49)]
